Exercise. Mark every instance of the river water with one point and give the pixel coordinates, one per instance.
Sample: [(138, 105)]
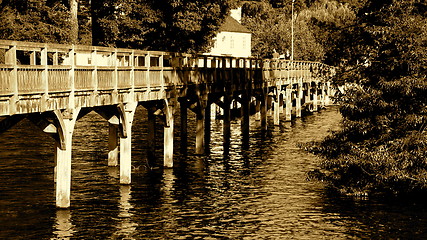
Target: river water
[(261, 193)]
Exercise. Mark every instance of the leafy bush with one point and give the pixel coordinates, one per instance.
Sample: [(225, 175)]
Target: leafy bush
[(382, 145)]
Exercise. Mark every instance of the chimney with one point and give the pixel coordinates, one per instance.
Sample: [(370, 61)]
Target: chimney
[(237, 14)]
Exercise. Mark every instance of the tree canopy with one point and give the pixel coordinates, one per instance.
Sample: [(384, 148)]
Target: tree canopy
[(383, 143), (173, 25), (179, 25), (36, 21), (315, 26)]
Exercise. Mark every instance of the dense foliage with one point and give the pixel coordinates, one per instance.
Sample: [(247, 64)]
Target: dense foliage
[(315, 26), (173, 25), (36, 21), (383, 144), (161, 25)]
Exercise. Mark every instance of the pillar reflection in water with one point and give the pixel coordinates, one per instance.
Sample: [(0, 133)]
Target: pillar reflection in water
[(126, 227), (168, 182), (64, 227), (167, 213)]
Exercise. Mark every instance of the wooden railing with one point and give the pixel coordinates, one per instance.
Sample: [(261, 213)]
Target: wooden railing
[(39, 68)]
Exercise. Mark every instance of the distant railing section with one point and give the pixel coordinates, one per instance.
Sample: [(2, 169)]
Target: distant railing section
[(39, 68), (280, 69)]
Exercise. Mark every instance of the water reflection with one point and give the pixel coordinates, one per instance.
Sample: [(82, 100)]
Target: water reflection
[(113, 173), (64, 226), (126, 227), (260, 193)]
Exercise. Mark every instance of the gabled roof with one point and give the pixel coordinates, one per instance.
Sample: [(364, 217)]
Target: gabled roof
[(232, 25)]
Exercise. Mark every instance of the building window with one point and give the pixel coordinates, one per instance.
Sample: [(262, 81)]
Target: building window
[(231, 42)]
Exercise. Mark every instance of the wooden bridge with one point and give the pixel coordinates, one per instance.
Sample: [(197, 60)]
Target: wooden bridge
[(54, 85)]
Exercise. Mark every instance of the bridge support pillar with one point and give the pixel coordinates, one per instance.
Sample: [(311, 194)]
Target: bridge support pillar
[(328, 94), (315, 98), (281, 100), (207, 127), (213, 111), (308, 93), (151, 135), (263, 109), (127, 111), (200, 131), (322, 95), (276, 106), (257, 110), (111, 114), (168, 137), (183, 103), (245, 120), (113, 145), (298, 99), (227, 124), (66, 121), (288, 103)]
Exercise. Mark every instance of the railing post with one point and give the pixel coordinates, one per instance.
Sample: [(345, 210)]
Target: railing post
[(115, 93), (132, 76), (71, 54), (162, 78), (55, 58), (147, 64), (45, 76), (33, 58), (10, 59)]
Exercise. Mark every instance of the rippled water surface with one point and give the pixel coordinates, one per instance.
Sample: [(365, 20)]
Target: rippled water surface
[(260, 193)]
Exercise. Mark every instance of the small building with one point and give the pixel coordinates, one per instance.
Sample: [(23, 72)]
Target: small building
[(233, 39)]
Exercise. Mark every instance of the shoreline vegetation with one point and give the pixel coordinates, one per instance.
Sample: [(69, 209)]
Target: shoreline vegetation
[(382, 147)]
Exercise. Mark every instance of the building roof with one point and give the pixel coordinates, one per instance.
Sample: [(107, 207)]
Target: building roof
[(232, 25)]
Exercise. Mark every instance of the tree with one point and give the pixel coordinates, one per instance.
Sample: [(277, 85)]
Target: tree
[(326, 19), (34, 21), (271, 30), (74, 33), (170, 25), (382, 146), (122, 23)]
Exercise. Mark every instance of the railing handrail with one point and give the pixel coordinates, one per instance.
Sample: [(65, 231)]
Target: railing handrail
[(100, 68)]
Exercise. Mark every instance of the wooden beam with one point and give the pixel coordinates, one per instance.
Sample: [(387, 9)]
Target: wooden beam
[(41, 122)]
